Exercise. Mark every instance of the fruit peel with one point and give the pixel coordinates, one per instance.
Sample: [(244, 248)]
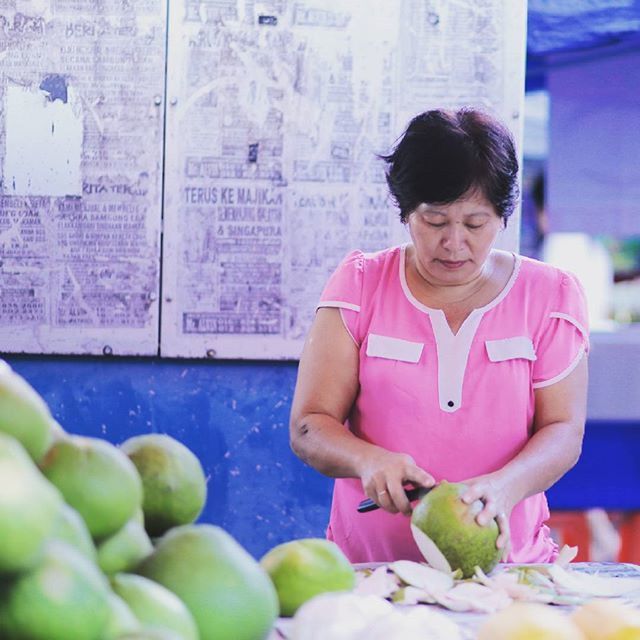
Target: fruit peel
[(451, 526)]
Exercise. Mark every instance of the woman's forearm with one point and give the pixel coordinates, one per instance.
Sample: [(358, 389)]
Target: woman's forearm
[(546, 457), (328, 446)]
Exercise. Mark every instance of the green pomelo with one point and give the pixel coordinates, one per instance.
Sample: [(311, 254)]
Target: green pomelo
[(228, 593), (64, 597), (447, 534), (23, 413), (154, 605), (301, 569), (97, 480), (57, 432), (29, 508), (72, 529), (121, 619), (124, 550), (175, 487), (151, 634)]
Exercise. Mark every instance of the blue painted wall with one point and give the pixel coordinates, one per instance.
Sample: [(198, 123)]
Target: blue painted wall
[(234, 416), (608, 472)]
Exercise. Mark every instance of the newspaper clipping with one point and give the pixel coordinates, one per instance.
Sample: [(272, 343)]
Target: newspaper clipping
[(277, 113)]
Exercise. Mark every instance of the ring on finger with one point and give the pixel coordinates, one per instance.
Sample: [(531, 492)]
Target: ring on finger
[(381, 493)]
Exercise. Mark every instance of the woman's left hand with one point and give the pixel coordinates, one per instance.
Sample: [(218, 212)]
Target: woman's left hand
[(498, 503)]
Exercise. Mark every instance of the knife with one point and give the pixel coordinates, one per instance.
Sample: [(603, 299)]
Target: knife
[(412, 494)]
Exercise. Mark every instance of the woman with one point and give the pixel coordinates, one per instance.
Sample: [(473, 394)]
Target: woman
[(445, 358)]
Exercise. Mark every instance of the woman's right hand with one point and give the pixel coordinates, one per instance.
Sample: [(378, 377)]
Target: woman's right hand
[(384, 473)]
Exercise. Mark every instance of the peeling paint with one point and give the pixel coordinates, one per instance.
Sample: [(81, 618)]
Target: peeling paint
[(43, 140), (55, 86)]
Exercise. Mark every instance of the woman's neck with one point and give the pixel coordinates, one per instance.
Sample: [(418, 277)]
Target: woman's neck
[(442, 294)]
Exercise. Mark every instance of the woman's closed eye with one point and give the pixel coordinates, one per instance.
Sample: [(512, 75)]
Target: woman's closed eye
[(441, 225)]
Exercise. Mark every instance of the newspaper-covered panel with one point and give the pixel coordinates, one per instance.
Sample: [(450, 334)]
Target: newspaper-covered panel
[(81, 111), (277, 113)]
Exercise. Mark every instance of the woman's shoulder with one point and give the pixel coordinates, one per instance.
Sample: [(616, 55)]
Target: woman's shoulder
[(549, 287), (359, 273), (374, 261), (536, 272)]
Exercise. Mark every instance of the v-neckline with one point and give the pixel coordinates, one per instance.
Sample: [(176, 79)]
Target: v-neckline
[(474, 312)]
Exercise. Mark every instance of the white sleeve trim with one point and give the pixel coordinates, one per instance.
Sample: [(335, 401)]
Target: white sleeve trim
[(344, 322), (563, 374), (568, 318), (339, 304)]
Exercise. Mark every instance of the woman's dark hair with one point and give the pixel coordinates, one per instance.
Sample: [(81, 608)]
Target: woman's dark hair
[(445, 154)]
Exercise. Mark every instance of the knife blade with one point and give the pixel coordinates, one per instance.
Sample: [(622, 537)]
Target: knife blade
[(412, 494)]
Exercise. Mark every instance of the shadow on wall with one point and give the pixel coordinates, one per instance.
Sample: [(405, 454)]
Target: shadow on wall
[(233, 416)]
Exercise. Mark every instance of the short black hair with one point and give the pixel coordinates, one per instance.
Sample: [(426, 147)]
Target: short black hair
[(444, 155)]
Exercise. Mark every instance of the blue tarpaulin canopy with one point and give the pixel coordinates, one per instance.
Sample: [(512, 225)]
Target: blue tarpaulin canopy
[(566, 31)]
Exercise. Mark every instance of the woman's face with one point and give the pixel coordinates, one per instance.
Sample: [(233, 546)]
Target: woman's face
[(452, 241)]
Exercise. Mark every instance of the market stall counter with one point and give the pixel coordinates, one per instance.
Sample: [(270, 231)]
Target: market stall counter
[(553, 592)]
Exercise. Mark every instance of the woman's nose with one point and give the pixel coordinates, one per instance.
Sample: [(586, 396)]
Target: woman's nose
[(453, 238)]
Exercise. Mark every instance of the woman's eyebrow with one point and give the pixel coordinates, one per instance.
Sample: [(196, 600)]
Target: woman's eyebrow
[(437, 212), (477, 213)]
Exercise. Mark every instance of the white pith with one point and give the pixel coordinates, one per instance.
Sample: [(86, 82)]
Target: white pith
[(429, 550)]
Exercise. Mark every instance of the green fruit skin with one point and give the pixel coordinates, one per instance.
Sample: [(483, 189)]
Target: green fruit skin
[(23, 413), (124, 549), (301, 569), (228, 593), (72, 529), (464, 546), (151, 634), (97, 480), (175, 487), (154, 605), (29, 508), (121, 619), (64, 597)]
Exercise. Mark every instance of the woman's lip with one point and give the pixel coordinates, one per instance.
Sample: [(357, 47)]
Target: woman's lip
[(448, 264)]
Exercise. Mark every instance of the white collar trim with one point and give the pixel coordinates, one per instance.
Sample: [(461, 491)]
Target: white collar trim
[(423, 307)]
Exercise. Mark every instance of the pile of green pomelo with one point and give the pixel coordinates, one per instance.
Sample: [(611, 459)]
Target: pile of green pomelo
[(100, 542)]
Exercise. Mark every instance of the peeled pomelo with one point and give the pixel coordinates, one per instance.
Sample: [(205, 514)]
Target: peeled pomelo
[(63, 597), (447, 534), (96, 479), (29, 507), (608, 620), (228, 593), (412, 623), (23, 413), (72, 529), (304, 568), (175, 487), (529, 621), (154, 605), (123, 550), (338, 616)]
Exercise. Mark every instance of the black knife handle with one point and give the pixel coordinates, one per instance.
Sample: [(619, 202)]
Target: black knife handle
[(412, 494)]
